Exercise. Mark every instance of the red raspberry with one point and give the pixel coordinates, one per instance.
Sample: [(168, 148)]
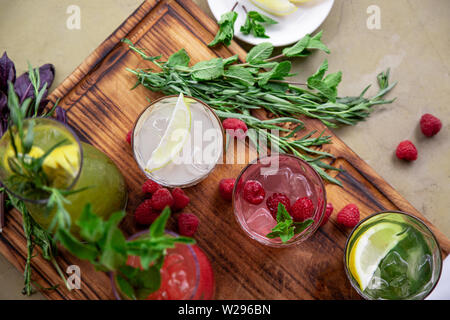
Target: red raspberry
[(406, 150), (328, 212), (348, 216), (161, 199), (235, 127), (254, 192), (180, 199), (129, 134), (144, 213), (226, 188), (430, 125), (150, 186), (302, 209), (274, 199), (187, 224)]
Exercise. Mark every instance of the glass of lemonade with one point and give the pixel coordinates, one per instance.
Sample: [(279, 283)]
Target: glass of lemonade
[(73, 165), (186, 273), (393, 256), (177, 141), (280, 173)]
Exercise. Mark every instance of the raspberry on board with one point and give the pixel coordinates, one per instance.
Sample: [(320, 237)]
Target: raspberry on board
[(187, 224), (161, 199), (226, 188), (348, 216)]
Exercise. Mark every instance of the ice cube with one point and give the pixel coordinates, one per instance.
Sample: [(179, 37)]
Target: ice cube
[(277, 180), (261, 221), (299, 186)]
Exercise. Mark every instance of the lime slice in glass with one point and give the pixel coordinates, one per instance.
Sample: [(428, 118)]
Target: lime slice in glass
[(370, 248), (174, 137), (276, 7)]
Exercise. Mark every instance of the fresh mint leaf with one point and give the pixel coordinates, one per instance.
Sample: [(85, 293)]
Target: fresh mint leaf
[(91, 225), (208, 70), (241, 75), (125, 286), (253, 24), (81, 250), (226, 29), (279, 72), (157, 228), (300, 49), (180, 58), (230, 60), (260, 53), (325, 85), (286, 228)]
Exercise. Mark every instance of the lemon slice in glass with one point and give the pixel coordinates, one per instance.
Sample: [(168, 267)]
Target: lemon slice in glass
[(174, 137), (276, 7), (35, 153), (62, 165), (370, 248)]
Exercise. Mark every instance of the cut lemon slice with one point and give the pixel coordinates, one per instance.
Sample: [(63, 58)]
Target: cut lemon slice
[(276, 7), (370, 248), (174, 137), (62, 165), (35, 153), (299, 1)]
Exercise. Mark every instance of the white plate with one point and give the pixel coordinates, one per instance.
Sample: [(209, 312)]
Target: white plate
[(291, 28)]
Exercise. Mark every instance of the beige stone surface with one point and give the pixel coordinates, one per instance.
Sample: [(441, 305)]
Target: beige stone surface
[(413, 41)]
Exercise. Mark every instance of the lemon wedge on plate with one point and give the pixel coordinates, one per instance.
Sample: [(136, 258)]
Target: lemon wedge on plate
[(276, 7), (174, 137), (299, 1), (370, 248)]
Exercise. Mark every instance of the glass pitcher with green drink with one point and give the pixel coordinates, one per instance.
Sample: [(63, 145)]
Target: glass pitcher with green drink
[(81, 170), (393, 256)]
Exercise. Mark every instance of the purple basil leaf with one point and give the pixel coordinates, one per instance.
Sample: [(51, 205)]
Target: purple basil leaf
[(7, 72), (24, 88), (60, 114), (3, 102)]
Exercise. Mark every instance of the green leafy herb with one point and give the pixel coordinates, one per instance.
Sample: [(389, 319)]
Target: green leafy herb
[(236, 89), (254, 24), (103, 244), (286, 228), (226, 29)]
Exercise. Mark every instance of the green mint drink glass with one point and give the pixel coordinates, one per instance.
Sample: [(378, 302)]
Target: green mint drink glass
[(393, 256), (84, 166)]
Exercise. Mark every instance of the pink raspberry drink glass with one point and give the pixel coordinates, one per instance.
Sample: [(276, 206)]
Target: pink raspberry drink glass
[(280, 173)]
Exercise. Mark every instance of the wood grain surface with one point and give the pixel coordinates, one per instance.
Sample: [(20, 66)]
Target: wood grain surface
[(102, 109)]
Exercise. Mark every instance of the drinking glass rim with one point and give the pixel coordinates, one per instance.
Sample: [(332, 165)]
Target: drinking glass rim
[(347, 272), (191, 250), (255, 161), (222, 131), (78, 141)]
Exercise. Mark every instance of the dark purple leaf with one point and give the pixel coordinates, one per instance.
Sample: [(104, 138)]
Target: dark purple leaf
[(60, 114), (3, 101), (4, 113), (23, 86), (7, 72)]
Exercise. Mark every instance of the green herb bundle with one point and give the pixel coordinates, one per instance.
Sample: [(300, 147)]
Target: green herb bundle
[(236, 89)]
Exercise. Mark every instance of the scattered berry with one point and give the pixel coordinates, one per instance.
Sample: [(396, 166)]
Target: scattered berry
[(348, 216), (274, 199), (144, 213), (226, 188), (254, 192), (235, 127), (328, 212), (180, 199), (150, 186), (430, 125), (129, 136), (187, 224), (161, 199), (302, 209), (406, 151)]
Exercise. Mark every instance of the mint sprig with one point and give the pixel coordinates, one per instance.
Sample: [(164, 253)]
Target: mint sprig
[(226, 29), (286, 228), (254, 24), (103, 244)]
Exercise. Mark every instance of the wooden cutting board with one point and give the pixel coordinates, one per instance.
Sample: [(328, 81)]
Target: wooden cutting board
[(102, 109)]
